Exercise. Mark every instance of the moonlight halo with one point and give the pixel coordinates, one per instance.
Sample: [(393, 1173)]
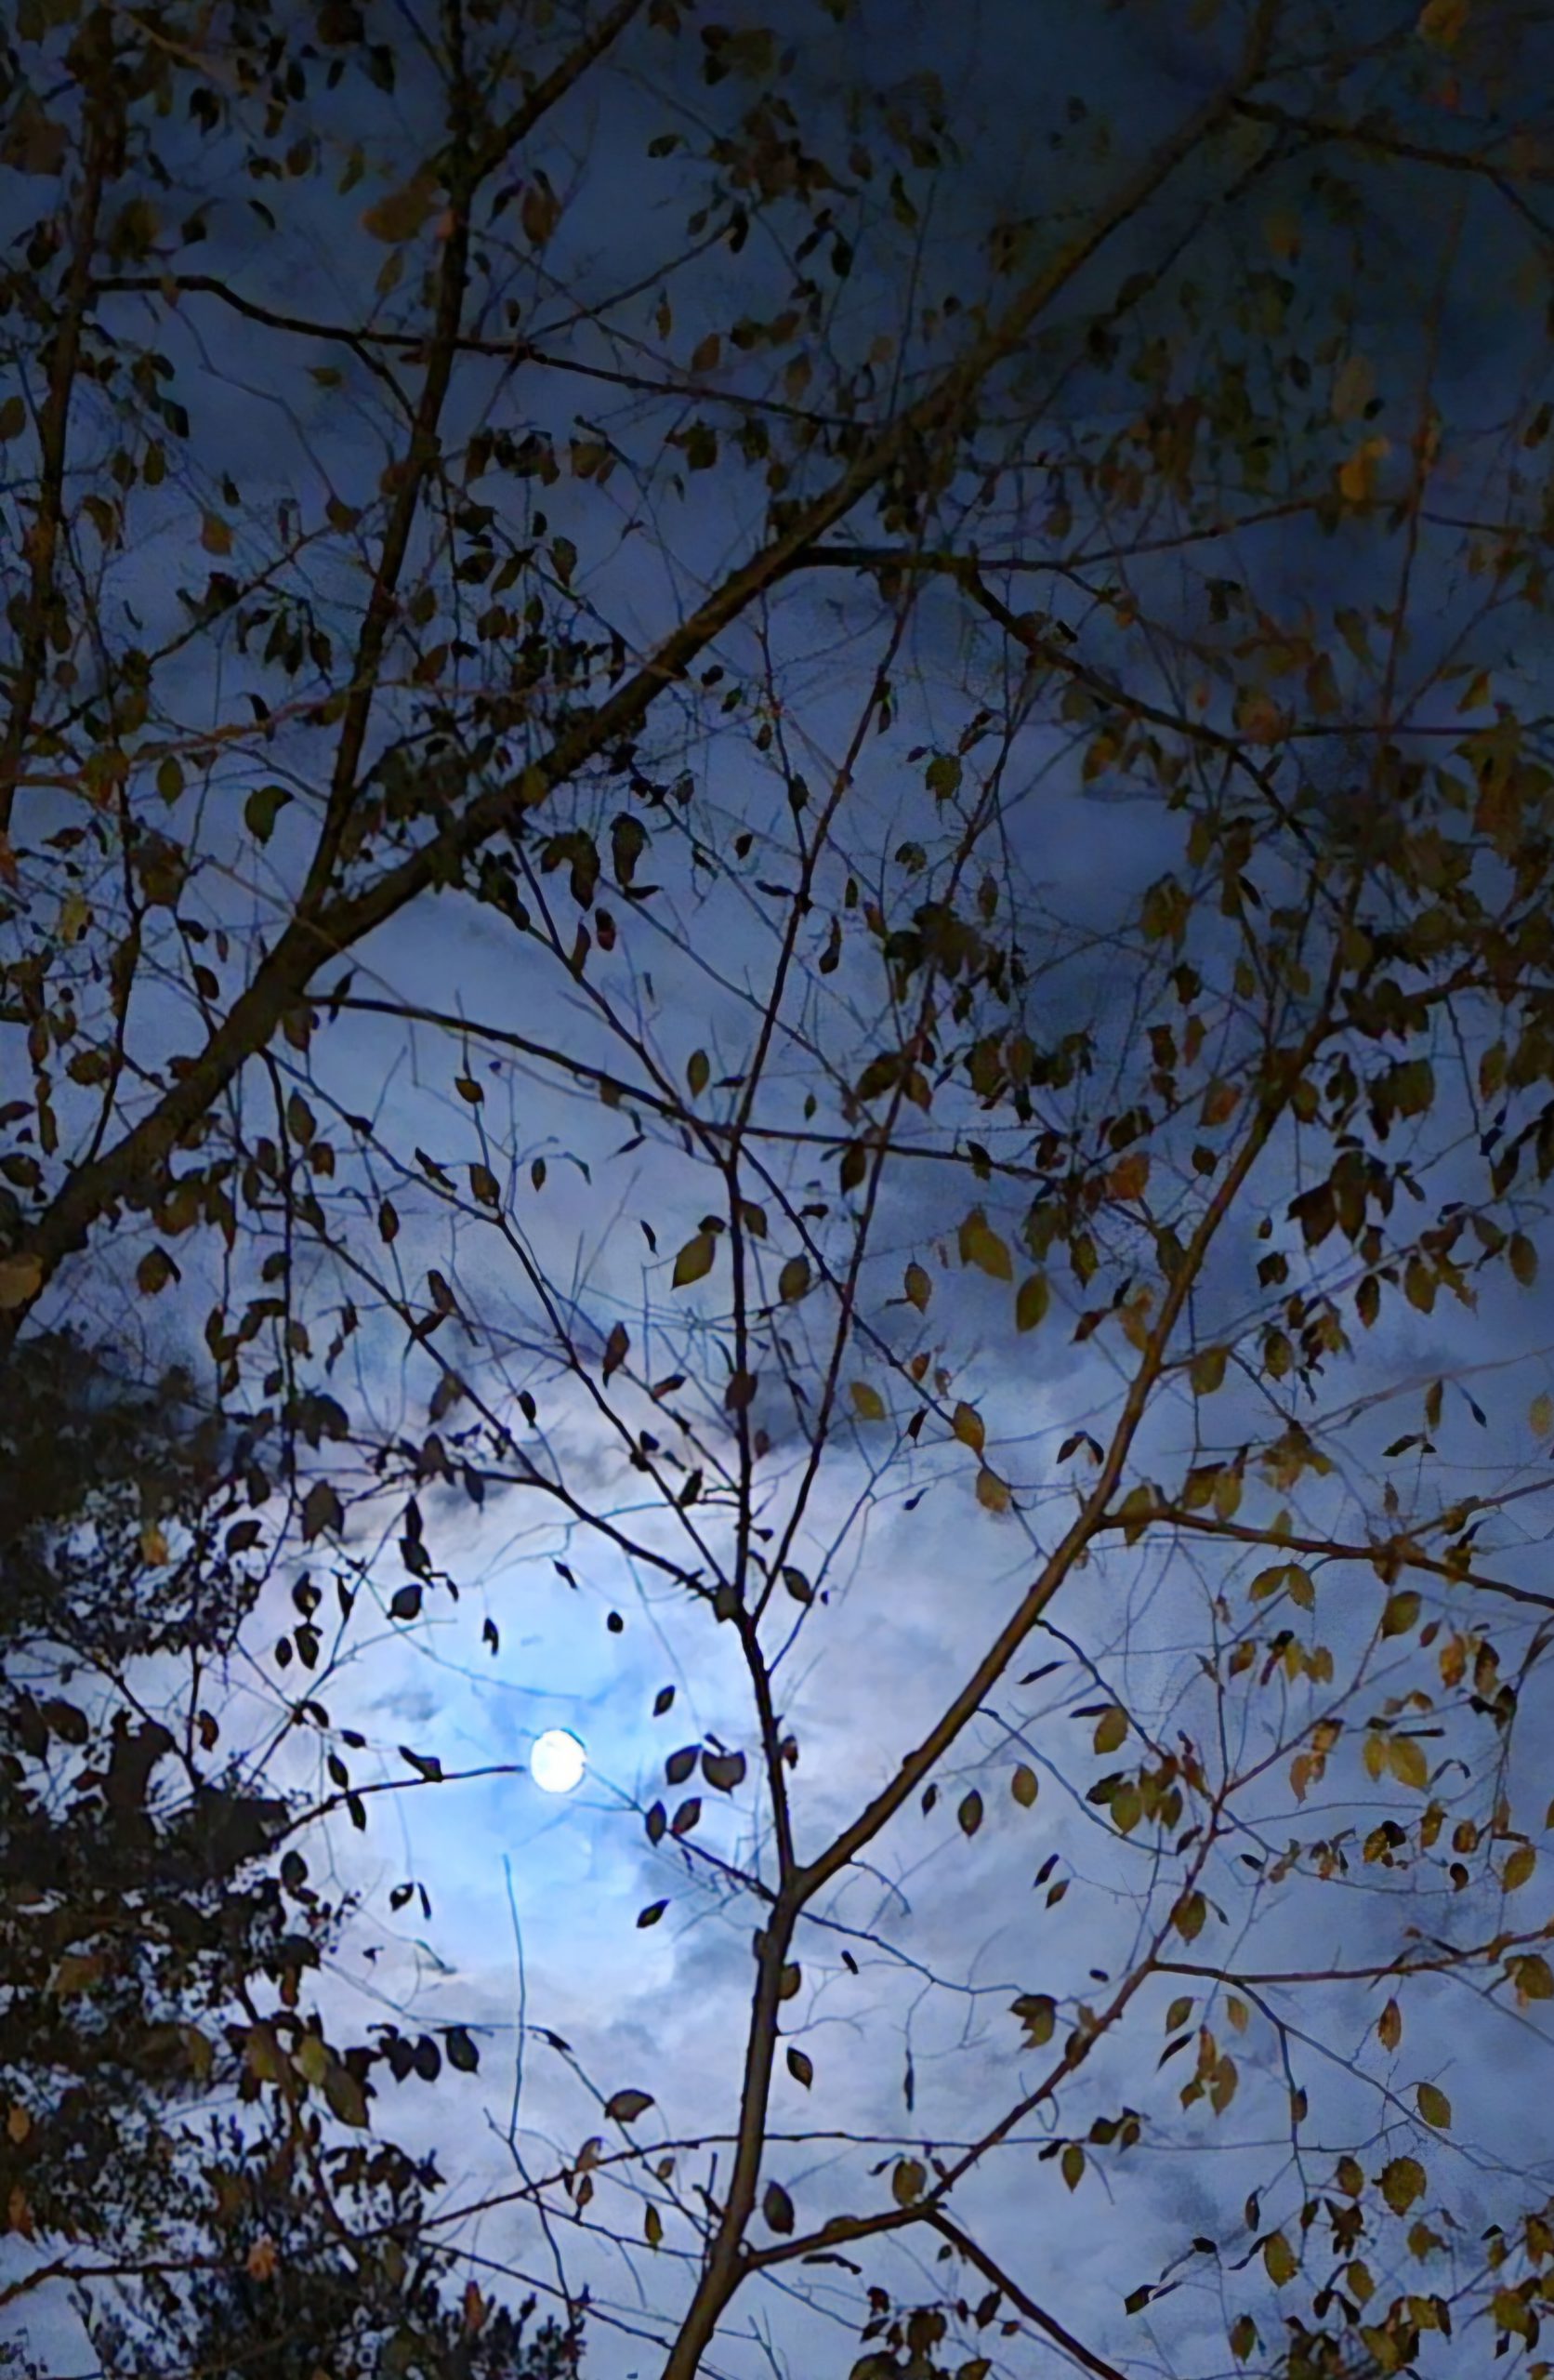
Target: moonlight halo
[(558, 1761)]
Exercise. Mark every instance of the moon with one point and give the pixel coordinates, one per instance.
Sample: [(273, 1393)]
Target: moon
[(558, 1761)]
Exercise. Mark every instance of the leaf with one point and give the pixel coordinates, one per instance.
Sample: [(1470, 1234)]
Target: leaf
[(347, 2098), (794, 1279), (1443, 22), (215, 535), (401, 214), (992, 1493), (980, 1245), (1401, 1611), (616, 1350), (698, 1073), (20, 1279), (1129, 1179), (1357, 477), (1110, 1729), (1023, 1786), (1279, 2259), (1207, 1371), (1406, 1760), (1519, 1867), (405, 1602), (312, 2059), (908, 2182), (484, 1188), (1434, 2106), (1037, 2011), (800, 2065), (777, 2208), (867, 1402), (651, 1915), (967, 1423), (321, 1510), (695, 1259), (919, 1288), (463, 2056), (76, 1971), (1402, 2181), (426, 1764), (1388, 2026), (1072, 2164), (1030, 1303), (970, 1812), (1189, 1915), (154, 1272), (1523, 1259), (626, 2106), (262, 808)]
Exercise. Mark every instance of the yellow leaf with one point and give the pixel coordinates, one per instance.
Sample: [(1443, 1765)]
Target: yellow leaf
[(1443, 22), (153, 1545), (311, 2058), (991, 1492), (1519, 1867), (20, 1279), (1434, 2106), (1031, 1304), (1388, 2027), (1357, 477), (920, 1289), (980, 1245), (1407, 1760), (215, 535), (1038, 2013), (1023, 1786), (695, 1259), (1279, 2259), (1189, 1915), (867, 1402), (1130, 1178), (793, 1278), (967, 1423), (401, 214), (1110, 1729)]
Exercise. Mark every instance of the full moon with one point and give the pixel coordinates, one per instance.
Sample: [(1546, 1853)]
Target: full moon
[(558, 1761)]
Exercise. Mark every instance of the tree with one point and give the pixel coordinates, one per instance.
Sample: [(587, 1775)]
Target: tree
[(355, 2297), (145, 1924), (833, 1167)]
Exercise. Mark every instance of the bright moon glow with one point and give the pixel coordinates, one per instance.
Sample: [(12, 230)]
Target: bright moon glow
[(558, 1761)]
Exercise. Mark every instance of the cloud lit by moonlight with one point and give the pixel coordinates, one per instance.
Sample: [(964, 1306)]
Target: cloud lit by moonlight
[(558, 1761)]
